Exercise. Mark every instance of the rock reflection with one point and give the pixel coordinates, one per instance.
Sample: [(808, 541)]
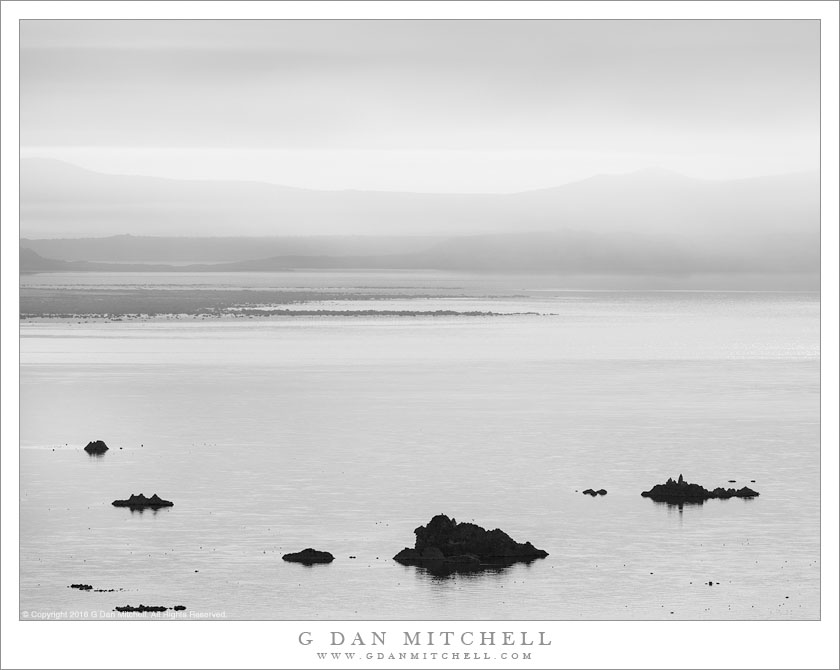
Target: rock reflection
[(444, 570)]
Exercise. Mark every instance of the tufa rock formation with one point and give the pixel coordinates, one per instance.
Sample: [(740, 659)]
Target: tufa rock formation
[(309, 556), (680, 491), (148, 608), (141, 502), (444, 546), (96, 447)]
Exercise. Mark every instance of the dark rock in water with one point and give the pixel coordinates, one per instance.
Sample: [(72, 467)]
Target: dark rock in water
[(593, 493), (445, 546), (406, 555), (680, 492), (309, 556), (81, 587), (141, 502), (148, 608), (141, 608), (732, 481), (96, 447), (743, 492), (432, 554), (602, 492), (455, 539), (469, 560)]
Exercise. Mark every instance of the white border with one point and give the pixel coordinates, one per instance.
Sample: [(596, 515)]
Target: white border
[(274, 644)]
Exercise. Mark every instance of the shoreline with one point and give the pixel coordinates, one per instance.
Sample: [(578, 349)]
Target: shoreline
[(263, 315)]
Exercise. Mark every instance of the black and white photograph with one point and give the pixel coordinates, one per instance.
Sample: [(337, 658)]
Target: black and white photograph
[(327, 320)]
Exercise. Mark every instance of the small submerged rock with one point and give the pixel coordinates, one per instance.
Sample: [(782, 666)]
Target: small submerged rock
[(599, 492), (140, 502), (147, 608), (309, 556), (81, 587), (445, 546), (96, 447), (681, 491)]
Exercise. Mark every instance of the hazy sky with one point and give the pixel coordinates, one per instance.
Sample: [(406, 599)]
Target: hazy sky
[(422, 105)]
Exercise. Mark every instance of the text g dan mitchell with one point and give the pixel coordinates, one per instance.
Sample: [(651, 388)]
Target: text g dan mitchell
[(430, 638)]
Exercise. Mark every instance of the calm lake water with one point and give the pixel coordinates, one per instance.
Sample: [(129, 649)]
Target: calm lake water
[(344, 433)]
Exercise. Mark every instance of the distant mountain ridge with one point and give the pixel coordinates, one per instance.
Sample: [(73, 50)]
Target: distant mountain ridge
[(62, 200), (647, 223), (133, 248), (30, 261), (571, 252)]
